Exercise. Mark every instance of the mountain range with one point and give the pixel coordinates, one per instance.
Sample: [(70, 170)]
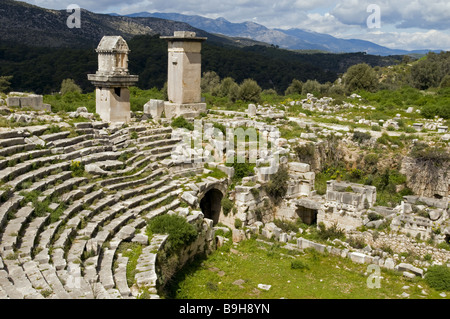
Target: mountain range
[(294, 39), (31, 25)]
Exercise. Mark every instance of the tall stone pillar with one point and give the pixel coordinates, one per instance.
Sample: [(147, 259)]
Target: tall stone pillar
[(184, 75), (112, 79)]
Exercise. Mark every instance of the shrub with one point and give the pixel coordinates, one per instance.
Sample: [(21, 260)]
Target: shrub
[(237, 223), (356, 242), (360, 77), (5, 84), (69, 85), (371, 159), (294, 88), (227, 205), (181, 122), (374, 216), (277, 186), (249, 91), (361, 137), (311, 86), (299, 264), (228, 88), (180, 232), (438, 277), (305, 153), (210, 81), (287, 226), (241, 170), (330, 233), (77, 168)]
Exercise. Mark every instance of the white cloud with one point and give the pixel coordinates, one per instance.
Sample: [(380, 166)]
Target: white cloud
[(433, 39), (402, 21)]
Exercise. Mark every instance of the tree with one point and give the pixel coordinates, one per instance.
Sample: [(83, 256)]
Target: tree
[(311, 86), (360, 77), (227, 88), (5, 84), (277, 187), (69, 85), (249, 91), (210, 81), (430, 71), (445, 83), (294, 88)]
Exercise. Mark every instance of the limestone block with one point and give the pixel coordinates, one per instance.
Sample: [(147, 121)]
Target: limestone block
[(299, 167), (238, 235), (154, 108), (251, 111), (407, 274), (358, 257), (189, 198), (410, 268), (389, 263)]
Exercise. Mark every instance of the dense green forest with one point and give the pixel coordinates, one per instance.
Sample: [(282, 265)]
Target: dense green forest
[(41, 70)]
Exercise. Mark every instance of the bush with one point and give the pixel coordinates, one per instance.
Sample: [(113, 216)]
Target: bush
[(361, 137), (277, 186), (227, 88), (249, 91), (371, 159), (299, 264), (356, 242), (374, 216), (227, 205), (180, 232), (181, 122), (438, 277), (210, 81), (77, 169), (69, 85), (311, 86), (294, 88), (305, 153), (5, 84), (360, 77), (237, 223), (330, 233), (241, 170)]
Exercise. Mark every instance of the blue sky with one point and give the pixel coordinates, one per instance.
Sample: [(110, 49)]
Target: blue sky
[(405, 24)]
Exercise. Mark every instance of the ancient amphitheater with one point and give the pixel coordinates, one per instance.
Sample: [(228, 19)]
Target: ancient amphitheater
[(46, 250)]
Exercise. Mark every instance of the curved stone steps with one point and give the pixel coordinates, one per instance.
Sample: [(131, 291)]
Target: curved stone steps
[(23, 156), (120, 179), (21, 282), (8, 207), (50, 275), (16, 149), (10, 238), (120, 276)]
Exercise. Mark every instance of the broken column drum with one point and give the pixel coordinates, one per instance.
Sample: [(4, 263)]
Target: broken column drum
[(112, 80)]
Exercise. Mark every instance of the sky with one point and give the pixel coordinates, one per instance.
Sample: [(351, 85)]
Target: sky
[(397, 24)]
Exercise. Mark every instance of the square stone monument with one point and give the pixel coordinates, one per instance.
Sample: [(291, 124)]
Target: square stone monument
[(112, 79), (184, 75)]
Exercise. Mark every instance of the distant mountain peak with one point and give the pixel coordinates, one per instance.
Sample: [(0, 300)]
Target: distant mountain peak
[(294, 38)]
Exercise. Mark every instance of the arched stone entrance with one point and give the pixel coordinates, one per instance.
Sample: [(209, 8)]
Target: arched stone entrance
[(307, 215), (211, 205)]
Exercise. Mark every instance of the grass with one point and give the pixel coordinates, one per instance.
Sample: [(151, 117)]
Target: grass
[(132, 251), (308, 276)]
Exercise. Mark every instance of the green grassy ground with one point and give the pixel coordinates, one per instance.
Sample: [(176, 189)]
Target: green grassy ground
[(325, 277)]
